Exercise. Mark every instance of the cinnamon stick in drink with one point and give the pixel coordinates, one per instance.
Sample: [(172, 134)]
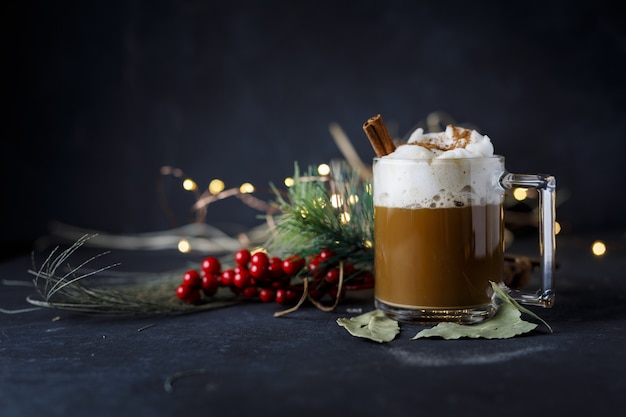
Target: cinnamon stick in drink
[(379, 136)]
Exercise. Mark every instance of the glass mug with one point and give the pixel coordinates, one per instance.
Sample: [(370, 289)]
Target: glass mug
[(439, 237)]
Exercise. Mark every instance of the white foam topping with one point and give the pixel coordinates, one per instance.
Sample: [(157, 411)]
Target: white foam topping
[(443, 169)]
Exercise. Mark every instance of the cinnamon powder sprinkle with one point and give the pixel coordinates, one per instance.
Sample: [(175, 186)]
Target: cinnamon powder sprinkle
[(460, 135)]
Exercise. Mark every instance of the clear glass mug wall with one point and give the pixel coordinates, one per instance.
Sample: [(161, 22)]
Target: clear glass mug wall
[(439, 237)]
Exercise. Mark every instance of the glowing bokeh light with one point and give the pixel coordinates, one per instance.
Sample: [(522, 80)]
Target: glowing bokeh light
[(336, 200), (520, 194), (344, 217), (319, 202), (557, 228), (323, 169), (598, 248), (246, 188), (184, 246), (189, 184), (353, 199), (216, 186), (290, 182)]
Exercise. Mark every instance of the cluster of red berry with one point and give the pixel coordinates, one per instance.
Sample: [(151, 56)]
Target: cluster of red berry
[(270, 279)]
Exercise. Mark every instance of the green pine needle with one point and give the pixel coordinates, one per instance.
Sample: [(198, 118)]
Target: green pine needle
[(333, 212)]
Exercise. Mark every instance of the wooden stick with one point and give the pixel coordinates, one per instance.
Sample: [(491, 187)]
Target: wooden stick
[(379, 136)]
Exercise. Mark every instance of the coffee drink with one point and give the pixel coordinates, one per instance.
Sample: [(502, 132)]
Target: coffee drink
[(438, 258), (438, 227)]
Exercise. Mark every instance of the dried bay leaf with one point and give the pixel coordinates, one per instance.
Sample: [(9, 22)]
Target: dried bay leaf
[(506, 323), (502, 295), (373, 325)]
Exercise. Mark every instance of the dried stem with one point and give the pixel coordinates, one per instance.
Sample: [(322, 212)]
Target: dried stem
[(302, 299)]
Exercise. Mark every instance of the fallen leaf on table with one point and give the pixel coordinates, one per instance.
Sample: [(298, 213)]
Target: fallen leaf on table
[(373, 325), (506, 323)]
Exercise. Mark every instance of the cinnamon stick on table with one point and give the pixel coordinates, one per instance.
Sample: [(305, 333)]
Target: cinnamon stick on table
[(379, 136)]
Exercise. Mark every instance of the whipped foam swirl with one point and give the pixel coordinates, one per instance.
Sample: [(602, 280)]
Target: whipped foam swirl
[(436, 170), (454, 142)]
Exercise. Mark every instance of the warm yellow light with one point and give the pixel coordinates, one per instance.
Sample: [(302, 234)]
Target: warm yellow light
[(353, 199), (304, 212), (184, 246), (289, 182), (336, 200), (323, 169), (367, 243), (557, 228), (520, 194), (246, 188), (319, 202), (216, 186), (598, 248), (189, 185), (344, 217), (368, 189)]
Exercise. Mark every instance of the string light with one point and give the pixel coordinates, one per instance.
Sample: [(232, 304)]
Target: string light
[(520, 194), (336, 200), (344, 217), (353, 199), (184, 246), (323, 169), (246, 188), (289, 182), (189, 184), (319, 202), (598, 248), (216, 186)]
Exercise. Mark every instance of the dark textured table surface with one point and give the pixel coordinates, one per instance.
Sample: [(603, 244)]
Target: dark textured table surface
[(242, 361)]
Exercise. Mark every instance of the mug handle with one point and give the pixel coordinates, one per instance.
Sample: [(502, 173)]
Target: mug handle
[(546, 185)]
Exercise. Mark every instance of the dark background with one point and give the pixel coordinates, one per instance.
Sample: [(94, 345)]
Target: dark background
[(99, 95)]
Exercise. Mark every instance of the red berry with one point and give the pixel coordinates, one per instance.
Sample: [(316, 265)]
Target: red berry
[(293, 265), (267, 295), (368, 278), (226, 278), (332, 276), (281, 296), (292, 295), (326, 254), (188, 294), (315, 293), (241, 279), (192, 279), (210, 283), (242, 257), (211, 265), (275, 267), (315, 268), (258, 271), (250, 292), (240, 268), (260, 258)]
